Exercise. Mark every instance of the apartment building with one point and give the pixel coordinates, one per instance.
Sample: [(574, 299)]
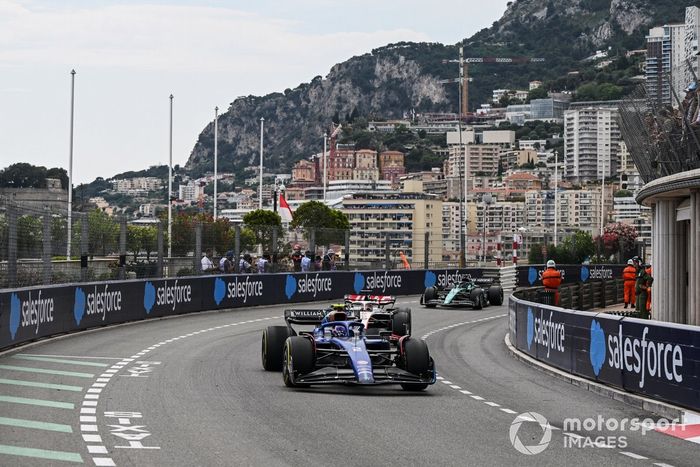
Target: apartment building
[(483, 160), (341, 162), (126, 185), (392, 165), (591, 140), (514, 158), (402, 218), (306, 172), (365, 167)]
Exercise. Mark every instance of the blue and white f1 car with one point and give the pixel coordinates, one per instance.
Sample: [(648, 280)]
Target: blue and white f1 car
[(337, 351)]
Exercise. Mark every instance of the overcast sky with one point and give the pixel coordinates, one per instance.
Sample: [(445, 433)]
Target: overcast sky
[(130, 56)]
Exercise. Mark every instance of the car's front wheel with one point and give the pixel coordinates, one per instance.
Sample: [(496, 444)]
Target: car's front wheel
[(429, 294), (478, 298), (298, 359)]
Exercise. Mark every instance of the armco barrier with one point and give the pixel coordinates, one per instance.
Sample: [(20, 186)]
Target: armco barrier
[(531, 276), (35, 312), (657, 360)]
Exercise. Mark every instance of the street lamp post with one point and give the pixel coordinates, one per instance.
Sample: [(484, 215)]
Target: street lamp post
[(216, 157), (487, 201), (325, 165), (556, 197), (170, 186), (462, 171), (262, 124), (70, 164)]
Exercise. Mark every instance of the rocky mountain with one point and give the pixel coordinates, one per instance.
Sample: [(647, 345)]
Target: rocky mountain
[(398, 78)]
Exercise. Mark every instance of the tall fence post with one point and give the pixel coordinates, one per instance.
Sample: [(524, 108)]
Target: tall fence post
[(347, 250), (237, 248), (312, 242), (160, 249), (84, 246), (12, 245), (273, 250), (46, 256), (426, 251), (387, 252), (197, 248), (122, 248)]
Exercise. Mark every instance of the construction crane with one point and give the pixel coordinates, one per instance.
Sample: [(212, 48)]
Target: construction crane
[(464, 79)]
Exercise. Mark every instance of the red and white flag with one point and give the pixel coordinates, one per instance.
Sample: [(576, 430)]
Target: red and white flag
[(285, 211)]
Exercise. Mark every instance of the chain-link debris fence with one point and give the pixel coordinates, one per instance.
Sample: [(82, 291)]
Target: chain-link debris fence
[(660, 124), (35, 247)]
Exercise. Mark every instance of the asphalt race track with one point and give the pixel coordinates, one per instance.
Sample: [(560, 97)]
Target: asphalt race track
[(191, 391)]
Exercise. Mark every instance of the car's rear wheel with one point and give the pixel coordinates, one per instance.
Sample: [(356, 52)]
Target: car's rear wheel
[(273, 339), (495, 295), (298, 359), (429, 294), (401, 323)]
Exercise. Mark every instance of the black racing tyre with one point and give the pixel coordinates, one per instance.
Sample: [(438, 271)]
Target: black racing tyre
[(298, 359), (429, 294), (416, 356), (401, 323), (477, 296), (495, 294), (410, 319), (273, 339)]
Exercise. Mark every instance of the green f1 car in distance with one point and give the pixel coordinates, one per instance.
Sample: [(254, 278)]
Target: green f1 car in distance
[(475, 293)]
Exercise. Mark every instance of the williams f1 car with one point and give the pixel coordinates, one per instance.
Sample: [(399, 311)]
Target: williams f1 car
[(338, 351), (476, 293)]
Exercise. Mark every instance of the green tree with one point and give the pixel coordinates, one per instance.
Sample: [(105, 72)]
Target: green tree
[(103, 233), (141, 238), (329, 224), (29, 237), (261, 224), (535, 255), (577, 247), (537, 93)]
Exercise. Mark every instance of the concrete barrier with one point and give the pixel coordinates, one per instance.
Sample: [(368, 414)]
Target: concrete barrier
[(655, 359)]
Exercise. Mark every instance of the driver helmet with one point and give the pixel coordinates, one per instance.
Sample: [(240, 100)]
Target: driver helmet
[(551, 264), (340, 331)]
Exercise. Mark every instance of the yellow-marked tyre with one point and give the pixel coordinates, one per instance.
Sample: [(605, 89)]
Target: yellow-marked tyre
[(298, 360)]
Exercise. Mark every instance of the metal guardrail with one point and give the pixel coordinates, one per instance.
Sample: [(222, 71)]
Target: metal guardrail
[(582, 296)]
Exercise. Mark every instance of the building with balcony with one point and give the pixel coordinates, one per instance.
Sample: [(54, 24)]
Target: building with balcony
[(401, 218), (591, 140)]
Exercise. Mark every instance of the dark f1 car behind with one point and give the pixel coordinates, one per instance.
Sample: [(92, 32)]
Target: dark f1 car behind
[(475, 293), (337, 351)]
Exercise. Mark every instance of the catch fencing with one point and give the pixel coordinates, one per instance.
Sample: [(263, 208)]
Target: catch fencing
[(660, 124), (34, 246)]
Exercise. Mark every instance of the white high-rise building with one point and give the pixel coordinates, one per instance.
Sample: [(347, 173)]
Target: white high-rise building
[(591, 140), (690, 41)]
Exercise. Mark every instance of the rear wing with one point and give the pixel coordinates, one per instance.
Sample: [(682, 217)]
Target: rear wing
[(313, 317), (379, 299), (485, 281)]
